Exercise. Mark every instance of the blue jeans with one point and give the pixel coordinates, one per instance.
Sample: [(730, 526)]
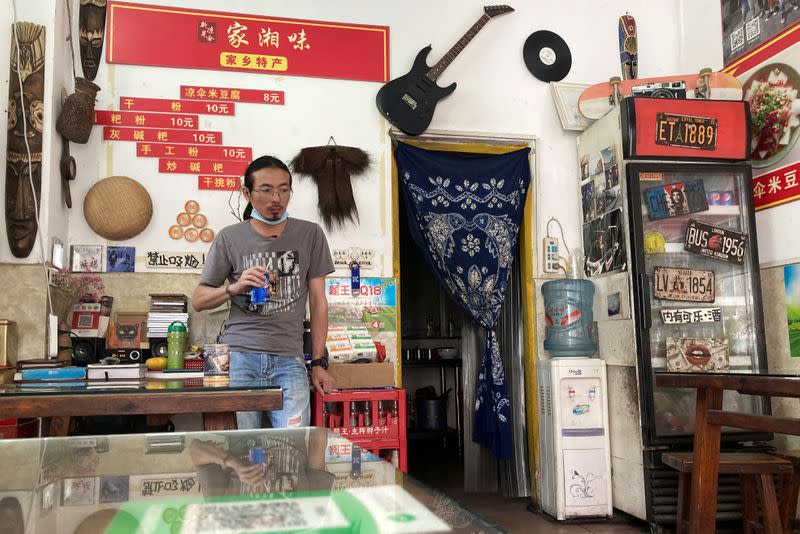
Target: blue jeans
[(288, 372)]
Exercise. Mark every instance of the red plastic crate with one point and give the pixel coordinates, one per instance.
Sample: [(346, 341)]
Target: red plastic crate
[(373, 437), (19, 428)]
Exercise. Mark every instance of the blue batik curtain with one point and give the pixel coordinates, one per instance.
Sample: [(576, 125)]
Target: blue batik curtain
[(464, 214)]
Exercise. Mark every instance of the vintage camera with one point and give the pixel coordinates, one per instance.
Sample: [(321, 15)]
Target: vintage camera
[(660, 90), (127, 355), (86, 350)]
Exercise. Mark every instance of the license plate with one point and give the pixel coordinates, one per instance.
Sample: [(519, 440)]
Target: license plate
[(676, 199), (691, 315), (715, 242), (686, 131), (689, 285)]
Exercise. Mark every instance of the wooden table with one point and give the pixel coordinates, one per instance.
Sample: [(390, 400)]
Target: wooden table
[(217, 404), (710, 417)]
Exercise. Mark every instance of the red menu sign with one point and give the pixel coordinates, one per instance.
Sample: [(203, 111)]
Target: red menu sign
[(203, 166), (145, 120), (253, 96), (218, 183), (776, 187), (155, 135), (165, 105), (219, 152), (164, 36)]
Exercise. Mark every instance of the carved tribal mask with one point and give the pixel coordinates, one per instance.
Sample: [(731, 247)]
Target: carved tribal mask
[(91, 28), (20, 208)]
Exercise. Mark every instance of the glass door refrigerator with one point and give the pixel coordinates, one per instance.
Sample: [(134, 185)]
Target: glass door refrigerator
[(670, 243)]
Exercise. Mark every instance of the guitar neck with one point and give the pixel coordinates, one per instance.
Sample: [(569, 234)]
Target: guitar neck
[(456, 49)]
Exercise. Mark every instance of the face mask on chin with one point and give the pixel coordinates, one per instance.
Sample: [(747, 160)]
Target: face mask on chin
[(254, 214)]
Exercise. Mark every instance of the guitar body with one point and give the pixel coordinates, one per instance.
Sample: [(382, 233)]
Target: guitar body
[(408, 102)]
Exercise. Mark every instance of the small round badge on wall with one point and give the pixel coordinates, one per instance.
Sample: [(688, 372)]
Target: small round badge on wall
[(547, 56)]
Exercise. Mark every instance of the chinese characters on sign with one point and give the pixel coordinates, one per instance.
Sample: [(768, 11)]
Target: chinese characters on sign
[(145, 120), (165, 105), (691, 315), (217, 152), (218, 183), (180, 484), (776, 187), (175, 260), (226, 41), (155, 135), (230, 94), (204, 166)]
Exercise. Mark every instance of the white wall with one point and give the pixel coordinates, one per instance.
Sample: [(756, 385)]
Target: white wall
[(496, 94)]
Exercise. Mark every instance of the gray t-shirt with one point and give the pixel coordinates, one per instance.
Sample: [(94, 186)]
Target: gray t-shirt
[(300, 253)]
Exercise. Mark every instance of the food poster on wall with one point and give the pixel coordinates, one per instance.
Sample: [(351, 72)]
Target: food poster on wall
[(791, 281), (374, 307), (746, 24), (770, 81)]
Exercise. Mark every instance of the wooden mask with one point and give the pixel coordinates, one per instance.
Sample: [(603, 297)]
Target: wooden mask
[(91, 29), (27, 96)]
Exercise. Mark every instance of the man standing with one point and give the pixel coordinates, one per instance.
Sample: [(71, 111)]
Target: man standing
[(289, 258)]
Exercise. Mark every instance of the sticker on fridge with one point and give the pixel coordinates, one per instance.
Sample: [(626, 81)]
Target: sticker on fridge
[(691, 285), (677, 199), (697, 354), (715, 242)]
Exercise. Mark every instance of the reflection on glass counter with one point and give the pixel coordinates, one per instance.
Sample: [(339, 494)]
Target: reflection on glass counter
[(305, 479)]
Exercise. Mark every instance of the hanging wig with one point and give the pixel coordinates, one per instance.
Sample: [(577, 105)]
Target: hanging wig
[(331, 167)]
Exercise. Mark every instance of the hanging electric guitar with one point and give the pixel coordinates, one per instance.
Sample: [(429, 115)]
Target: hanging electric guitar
[(408, 102)]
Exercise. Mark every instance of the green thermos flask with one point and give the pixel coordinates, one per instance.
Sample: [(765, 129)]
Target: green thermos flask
[(176, 344)]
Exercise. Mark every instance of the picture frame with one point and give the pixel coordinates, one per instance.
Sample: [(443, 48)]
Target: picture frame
[(86, 258), (57, 253), (114, 489), (78, 491), (565, 97), (48, 494)]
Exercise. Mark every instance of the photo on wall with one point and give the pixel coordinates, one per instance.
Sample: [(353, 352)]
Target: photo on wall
[(120, 259), (587, 201), (86, 258), (604, 241), (791, 284)]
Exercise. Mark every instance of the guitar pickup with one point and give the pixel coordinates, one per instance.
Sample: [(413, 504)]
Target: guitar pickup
[(409, 101)]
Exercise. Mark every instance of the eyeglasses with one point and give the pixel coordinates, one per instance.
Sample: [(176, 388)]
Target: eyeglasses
[(281, 192)]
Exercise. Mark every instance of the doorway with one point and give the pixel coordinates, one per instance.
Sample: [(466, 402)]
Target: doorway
[(441, 349)]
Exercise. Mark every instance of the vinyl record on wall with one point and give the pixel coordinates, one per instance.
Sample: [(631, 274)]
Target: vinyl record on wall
[(547, 56)]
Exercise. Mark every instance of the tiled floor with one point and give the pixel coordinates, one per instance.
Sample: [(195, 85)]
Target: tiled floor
[(511, 514)]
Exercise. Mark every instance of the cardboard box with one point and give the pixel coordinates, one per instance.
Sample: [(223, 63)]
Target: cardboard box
[(362, 375)]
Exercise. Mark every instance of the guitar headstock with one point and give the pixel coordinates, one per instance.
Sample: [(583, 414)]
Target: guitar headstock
[(493, 11)]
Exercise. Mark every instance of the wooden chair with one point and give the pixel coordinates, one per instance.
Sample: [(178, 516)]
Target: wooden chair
[(787, 504), (755, 471)]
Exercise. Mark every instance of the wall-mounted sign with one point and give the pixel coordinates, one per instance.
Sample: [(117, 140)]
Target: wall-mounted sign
[(164, 36), (155, 135), (146, 120), (714, 242), (231, 94), (165, 105), (217, 152), (697, 354), (691, 315), (343, 257), (175, 260), (202, 166), (777, 187), (690, 285), (154, 486), (218, 183)]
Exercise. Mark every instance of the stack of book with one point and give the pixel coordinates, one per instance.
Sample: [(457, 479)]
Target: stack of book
[(49, 374), (164, 309), (122, 375)]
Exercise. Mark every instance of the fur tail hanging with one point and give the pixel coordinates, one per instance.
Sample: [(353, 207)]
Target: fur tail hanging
[(331, 168)]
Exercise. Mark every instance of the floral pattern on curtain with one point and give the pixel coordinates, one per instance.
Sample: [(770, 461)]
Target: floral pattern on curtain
[(464, 214)]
